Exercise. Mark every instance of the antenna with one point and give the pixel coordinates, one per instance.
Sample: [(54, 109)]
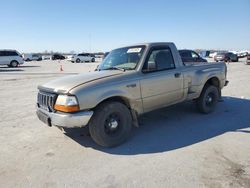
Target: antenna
[(90, 43)]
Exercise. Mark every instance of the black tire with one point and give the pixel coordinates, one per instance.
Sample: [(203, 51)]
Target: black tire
[(93, 60), (107, 115), (28, 59), (78, 60), (208, 99), (13, 63)]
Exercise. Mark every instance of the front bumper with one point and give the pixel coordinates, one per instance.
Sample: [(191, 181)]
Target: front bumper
[(65, 120)]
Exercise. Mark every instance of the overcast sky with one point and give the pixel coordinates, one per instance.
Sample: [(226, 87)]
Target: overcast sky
[(92, 25)]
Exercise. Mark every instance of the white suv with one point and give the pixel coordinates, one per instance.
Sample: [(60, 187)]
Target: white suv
[(85, 57), (11, 58)]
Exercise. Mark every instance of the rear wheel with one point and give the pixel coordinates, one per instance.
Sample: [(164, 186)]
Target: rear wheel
[(208, 99), (93, 60), (13, 63), (110, 124)]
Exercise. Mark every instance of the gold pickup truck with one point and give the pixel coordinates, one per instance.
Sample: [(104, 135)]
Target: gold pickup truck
[(129, 82)]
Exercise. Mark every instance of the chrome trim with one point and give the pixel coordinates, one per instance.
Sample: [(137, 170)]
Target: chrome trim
[(46, 101)]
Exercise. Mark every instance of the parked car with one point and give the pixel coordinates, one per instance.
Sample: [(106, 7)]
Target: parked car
[(84, 57), (212, 54), (190, 56), (32, 57), (129, 82), (46, 57), (204, 53), (248, 60), (242, 54), (11, 58), (226, 56), (57, 57)]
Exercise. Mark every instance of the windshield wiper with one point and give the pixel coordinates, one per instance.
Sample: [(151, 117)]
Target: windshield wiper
[(115, 68)]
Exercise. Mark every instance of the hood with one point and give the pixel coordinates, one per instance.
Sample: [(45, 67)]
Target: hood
[(65, 84)]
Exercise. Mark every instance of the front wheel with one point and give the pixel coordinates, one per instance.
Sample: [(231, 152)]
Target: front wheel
[(78, 60), (13, 63), (208, 99), (110, 124)]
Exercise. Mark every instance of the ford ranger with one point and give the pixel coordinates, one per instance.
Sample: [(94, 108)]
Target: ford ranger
[(128, 83)]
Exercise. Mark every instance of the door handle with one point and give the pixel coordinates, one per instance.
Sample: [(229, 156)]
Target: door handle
[(131, 85), (177, 75)]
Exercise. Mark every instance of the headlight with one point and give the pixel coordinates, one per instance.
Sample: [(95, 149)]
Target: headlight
[(65, 103)]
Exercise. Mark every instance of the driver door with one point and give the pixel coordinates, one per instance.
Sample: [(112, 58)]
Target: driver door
[(162, 82)]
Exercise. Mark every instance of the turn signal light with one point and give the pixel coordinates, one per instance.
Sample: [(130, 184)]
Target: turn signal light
[(63, 108)]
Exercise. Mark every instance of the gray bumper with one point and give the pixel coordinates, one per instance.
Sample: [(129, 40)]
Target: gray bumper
[(66, 120)]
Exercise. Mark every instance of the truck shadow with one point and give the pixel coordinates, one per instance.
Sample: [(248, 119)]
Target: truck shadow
[(17, 69), (11, 70), (176, 127)]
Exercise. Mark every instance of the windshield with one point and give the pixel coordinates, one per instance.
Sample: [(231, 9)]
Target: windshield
[(123, 58)]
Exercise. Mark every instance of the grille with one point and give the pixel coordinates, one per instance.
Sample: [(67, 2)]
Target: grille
[(46, 101)]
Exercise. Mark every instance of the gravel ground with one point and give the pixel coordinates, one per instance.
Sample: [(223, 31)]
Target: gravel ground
[(174, 147)]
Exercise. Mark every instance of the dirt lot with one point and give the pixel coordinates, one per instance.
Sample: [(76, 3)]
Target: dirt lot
[(174, 147)]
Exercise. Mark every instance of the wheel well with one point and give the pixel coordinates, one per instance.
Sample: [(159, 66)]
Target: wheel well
[(122, 100), (213, 81)]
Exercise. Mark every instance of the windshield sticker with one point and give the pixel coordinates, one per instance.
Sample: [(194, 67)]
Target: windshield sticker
[(134, 50)]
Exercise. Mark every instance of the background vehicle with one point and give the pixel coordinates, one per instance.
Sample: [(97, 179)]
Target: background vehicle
[(204, 54), (46, 57), (248, 59), (32, 57), (242, 54), (190, 56), (212, 54), (226, 56), (129, 82), (84, 57), (57, 57), (12, 58)]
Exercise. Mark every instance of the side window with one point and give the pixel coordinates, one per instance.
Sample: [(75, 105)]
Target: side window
[(185, 54), (159, 59), (194, 55), (7, 53), (1, 53), (11, 53)]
